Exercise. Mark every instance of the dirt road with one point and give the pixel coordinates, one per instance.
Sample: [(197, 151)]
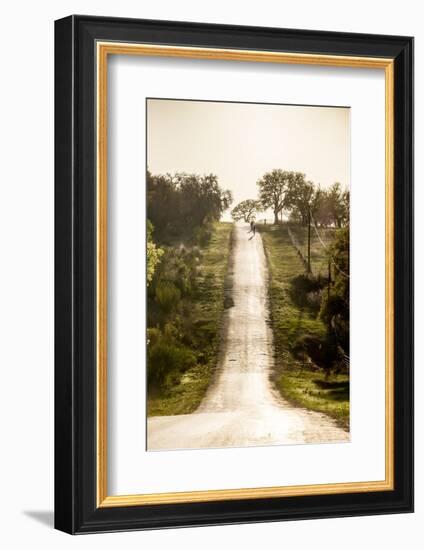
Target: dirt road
[(241, 408)]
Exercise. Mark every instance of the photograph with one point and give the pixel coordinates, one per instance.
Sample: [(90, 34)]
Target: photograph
[(248, 277)]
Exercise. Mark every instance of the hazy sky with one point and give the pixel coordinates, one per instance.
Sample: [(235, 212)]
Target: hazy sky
[(239, 142)]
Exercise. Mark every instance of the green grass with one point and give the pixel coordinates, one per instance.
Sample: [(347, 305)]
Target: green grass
[(288, 320), (206, 311), (312, 390), (297, 382), (185, 397)]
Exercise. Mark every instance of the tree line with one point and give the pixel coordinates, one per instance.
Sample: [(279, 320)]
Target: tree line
[(289, 192), (180, 203), (181, 207), (181, 210)]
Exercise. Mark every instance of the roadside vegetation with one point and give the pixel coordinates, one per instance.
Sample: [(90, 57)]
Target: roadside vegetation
[(309, 371), (307, 249), (187, 256), (188, 250)]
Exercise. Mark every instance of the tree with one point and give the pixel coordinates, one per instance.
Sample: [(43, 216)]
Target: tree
[(333, 207), (177, 204), (337, 204), (162, 203), (302, 198), (345, 207), (273, 189), (246, 210), (202, 199), (322, 215)]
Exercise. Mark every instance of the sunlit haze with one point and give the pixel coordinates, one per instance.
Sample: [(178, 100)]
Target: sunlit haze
[(239, 142)]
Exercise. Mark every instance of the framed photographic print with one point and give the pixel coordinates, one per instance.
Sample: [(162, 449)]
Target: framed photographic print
[(234, 274)]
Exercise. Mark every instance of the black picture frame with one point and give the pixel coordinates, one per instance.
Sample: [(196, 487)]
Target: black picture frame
[(76, 510)]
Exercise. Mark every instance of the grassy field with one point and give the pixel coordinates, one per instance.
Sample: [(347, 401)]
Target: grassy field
[(206, 312), (312, 390), (298, 382)]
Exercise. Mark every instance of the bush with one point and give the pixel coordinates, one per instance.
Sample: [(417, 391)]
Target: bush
[(335, 308), (166, 362), (305, 291), (167, 296), (321, 350), (179, 266), (335, 312), (154, 253), (153, 335)]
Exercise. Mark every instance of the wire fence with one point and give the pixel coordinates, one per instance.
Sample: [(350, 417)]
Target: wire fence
[(329, 252), (320, 249), (298, 248), (321, 257)]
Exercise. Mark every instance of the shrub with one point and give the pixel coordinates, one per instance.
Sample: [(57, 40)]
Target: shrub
[(305, 291), (153, 335), (321, 350), (154, 253), (166, 361), (167, 296), (335, 308), (179, 266)]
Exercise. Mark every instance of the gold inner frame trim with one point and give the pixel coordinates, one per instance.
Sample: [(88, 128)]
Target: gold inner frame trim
[(104, 49)]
